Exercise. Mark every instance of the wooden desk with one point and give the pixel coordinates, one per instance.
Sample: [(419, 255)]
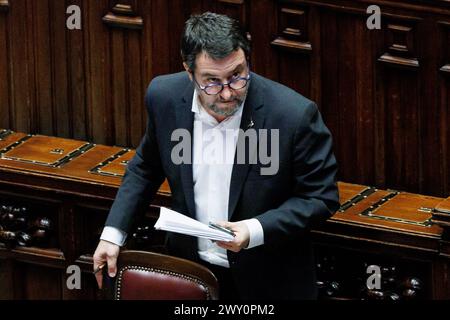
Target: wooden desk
[(396, 231), (73, 183)]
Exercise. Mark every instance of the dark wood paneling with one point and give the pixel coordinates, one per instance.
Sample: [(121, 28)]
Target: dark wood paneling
[(431, 159), (148, 37), (179, 12), (7, 286), (329, 76), (62, 112), (119, 92), (346, 85), (161, 42), (123, 15), (264, 56), (383, 93), (136, 90), (365, 101), (401, 125), (4, 71), (444, 103), (379, 94), (44, 58), (98, 73), (77, 92), (294, 61), (236, 9), (22, 88), (39, 283)]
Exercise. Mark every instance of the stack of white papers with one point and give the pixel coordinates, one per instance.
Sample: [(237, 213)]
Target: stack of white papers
[(173, 221)]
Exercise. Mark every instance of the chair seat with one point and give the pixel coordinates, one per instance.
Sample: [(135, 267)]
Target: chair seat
[(140, 283), (153, 276)]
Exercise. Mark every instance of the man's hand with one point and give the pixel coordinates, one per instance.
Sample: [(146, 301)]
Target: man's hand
[(241, 239), (105, 254)]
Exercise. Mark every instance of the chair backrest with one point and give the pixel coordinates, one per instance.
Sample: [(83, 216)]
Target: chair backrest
[(152, 276)]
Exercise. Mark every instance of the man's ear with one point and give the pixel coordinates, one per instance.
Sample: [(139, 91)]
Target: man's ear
[(187, 70)]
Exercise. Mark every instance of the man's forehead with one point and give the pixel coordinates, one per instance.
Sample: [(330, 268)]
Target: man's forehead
[(206, 64)]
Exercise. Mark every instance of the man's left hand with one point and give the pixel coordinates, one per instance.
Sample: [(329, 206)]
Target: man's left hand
[(241, 239)]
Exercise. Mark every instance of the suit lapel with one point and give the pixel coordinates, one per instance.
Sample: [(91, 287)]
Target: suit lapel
[(185, 120), (252, 118)]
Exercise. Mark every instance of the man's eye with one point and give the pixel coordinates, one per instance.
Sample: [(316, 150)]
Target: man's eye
[(213, 80), (235, 76)]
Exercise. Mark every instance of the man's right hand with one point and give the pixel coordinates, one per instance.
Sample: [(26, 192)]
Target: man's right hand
[(105, 255)]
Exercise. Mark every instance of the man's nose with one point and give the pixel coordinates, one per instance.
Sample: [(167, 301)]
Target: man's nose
[(226, 93)]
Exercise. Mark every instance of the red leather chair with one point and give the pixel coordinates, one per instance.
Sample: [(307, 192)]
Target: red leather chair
[(152, 276)]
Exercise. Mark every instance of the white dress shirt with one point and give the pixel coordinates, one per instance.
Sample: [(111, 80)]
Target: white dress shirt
[(214, 147)]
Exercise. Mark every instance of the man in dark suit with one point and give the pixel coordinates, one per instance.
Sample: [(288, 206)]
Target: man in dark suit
[(269, 205)]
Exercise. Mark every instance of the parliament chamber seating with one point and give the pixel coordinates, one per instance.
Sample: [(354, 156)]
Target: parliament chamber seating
[(152, 276), (55, 194)]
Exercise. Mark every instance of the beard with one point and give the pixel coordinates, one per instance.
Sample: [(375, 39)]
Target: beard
[(228, 111), (225, 111)]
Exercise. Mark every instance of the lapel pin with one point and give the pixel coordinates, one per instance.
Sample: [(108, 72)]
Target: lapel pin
[(251, 124)]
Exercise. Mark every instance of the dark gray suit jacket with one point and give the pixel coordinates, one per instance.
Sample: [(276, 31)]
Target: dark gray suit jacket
[(287, 204)]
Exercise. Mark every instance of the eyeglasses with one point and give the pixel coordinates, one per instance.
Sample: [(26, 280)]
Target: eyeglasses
[(216, 88)]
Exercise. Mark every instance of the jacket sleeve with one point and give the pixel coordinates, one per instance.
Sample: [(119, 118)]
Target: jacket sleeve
[(315, 195), (143, 176)]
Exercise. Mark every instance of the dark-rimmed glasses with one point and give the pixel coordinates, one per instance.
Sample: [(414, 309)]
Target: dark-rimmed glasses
[(216, 88)]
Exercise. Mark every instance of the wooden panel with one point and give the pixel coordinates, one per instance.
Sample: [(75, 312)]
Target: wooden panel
[(5, 82), (22, 95), (444, 104), (293, 32), (45, 92), (43, 150), (346, 89), (136, 90), (316, 61), (39, 283), (264, 57), (160, 27), (179, 13), (401, 44), (347, 191), (118, 85), (430, 125), (123, 15), (402, 131), (329, 77), (148, 36), (77, 80), (410, 219), (98, 76), (74, 160), (294, 67), (7, 287), (114, 165), (399, 102), (6, 142), (62, 114), (366, 108), (236, 9), (89, 84)]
